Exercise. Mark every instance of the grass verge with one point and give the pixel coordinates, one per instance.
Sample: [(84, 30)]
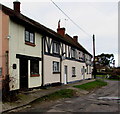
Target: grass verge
[(64, 93), (92, 85)]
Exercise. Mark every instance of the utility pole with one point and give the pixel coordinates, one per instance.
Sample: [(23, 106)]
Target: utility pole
[(94, 67)]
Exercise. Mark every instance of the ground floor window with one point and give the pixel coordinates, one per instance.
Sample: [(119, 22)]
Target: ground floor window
[(55, 66), (34, 68), (73, 72)]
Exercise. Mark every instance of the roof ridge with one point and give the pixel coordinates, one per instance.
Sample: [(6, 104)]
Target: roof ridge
[(40, 27)]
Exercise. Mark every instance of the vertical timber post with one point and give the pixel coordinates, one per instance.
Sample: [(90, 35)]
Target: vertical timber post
[(94, 67)]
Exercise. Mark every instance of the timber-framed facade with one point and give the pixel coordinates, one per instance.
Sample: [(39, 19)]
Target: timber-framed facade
[(39, 56)]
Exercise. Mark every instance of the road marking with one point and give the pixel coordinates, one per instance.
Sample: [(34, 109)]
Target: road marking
[(109, 98)]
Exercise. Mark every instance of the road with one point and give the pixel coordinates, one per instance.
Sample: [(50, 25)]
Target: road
[(104, 99)]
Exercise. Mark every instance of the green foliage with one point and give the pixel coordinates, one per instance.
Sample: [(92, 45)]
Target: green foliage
[(106, 59), (92, 85), (114, 77)]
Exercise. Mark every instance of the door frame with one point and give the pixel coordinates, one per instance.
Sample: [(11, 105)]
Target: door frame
[(65, 74)]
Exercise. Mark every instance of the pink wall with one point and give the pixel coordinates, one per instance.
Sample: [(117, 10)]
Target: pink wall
[(4, 41), (0, 38)]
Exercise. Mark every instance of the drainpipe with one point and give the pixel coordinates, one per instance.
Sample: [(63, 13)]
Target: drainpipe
[(61, 70), (61, 59), (94, 66), (7, 59), (42, 61)]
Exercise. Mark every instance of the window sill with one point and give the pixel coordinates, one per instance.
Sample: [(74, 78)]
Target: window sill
[(73, 75), (56, 72), (30, 44), (34, 75)]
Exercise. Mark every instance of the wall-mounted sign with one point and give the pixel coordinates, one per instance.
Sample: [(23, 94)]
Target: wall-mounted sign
[(0, 71), (14, 66)]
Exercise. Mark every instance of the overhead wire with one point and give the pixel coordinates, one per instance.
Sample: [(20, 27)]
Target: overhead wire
[(71, 19)]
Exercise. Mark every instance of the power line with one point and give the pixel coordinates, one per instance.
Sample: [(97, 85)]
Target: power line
[(71, 19)]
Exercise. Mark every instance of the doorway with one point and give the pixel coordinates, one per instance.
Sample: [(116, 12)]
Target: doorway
[(23, 74), (65, 74), (83, 72)]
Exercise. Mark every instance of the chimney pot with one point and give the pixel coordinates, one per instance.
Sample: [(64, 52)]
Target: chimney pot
[(75, 38), (16, 5)]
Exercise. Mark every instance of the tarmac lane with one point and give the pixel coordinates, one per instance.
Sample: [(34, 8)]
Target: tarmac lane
[(105, 99)]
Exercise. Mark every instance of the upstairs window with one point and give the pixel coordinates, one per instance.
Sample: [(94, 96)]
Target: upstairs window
[(56, 47), (83, 56), (73, 53), (55, 66), (29, 37)]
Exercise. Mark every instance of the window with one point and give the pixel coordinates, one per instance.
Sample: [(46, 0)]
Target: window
[(55, 66), (83, 57), (56, 47), (34, 68), (73, 72), (73, 53), (87, 69), (29, 37)]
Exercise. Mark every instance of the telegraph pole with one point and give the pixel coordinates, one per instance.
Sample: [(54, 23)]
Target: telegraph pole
[(94, 67)]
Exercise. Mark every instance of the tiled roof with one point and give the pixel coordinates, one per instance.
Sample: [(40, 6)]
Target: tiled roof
[(22, 19)]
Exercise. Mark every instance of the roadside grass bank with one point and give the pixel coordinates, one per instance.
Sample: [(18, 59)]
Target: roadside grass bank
[(92, 85), (64, 93), (110, 77), (114, 79)]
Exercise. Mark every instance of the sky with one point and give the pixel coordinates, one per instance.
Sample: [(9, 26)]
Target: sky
[(98, 17)]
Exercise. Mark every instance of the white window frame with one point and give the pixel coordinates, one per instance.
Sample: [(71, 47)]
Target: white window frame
[(73, 53), (73, 72), (56, 47), (29, 37), (55, 66)]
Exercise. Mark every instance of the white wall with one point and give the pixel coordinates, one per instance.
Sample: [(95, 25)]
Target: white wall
[(49, 77), (34, 81), (78, 66), (70, 64), (17, 46)]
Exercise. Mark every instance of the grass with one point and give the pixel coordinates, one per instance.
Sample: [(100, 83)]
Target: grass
[(101, 76), (92, 85), (64, 93), (114, 79), (104, 76)]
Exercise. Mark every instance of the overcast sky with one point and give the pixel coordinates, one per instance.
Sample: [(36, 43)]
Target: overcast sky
[(99, 17)]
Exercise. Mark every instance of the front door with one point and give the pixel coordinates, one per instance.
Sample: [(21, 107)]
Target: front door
[(65, 74), (23, 73)]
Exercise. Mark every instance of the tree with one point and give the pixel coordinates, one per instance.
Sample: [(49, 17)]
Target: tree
[(105, 59)]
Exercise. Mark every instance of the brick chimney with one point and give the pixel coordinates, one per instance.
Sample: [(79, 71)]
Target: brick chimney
[(60, 31), (75, 38), (16, 6)]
